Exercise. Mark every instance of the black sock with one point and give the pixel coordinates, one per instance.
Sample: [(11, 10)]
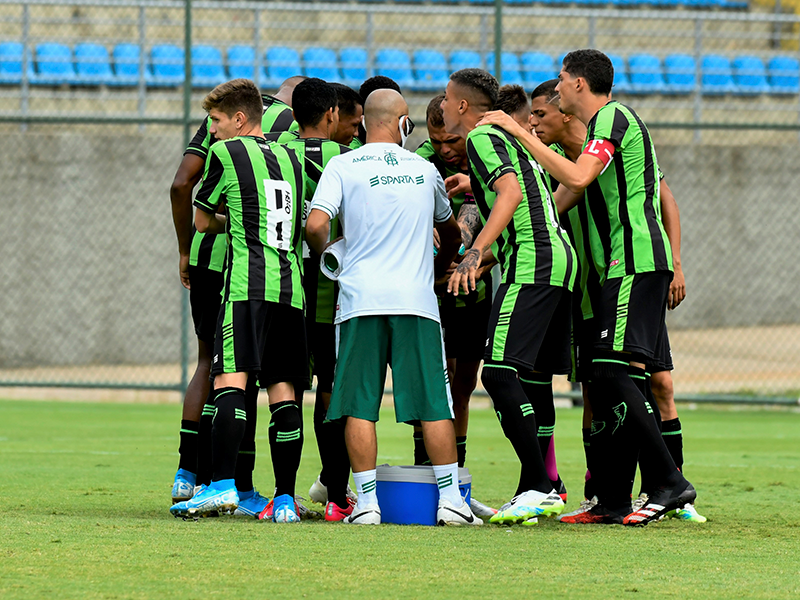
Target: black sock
[(246, 461), (188, 447), (673, 437), (286, 444), (461, 449), (538, 388), (651, 400), (420, 453), (517, 419), (230, 422), (319, 434), (588, 487), (204, 445)]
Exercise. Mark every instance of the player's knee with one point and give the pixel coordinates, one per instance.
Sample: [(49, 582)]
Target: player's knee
[(661, 386)]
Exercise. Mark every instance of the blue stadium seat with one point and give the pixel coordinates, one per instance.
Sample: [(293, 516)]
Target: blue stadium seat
[(241, 62), (321, 62), (465, 59), (646, 76), (749, 75), (282, 63), (430, 70), (589, 3), (680, 71), (207, 69), (168, 65), (622, 84), (126, 65), (537, 67), (54, 64), (93, 65), (509, 67), (353, 62), (717, 75), (784, 75), (665, 3), (11, 63), (394, 63)]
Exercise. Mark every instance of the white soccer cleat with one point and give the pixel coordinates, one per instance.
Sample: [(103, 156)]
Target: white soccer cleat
[(529, 505), (319, 493), (448, 514), (480, 509), (366, 515)]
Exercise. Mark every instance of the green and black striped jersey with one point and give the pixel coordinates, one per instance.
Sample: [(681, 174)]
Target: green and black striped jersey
[(278, 116), (625, 228), (315, 154), (356, 144), (261, 185), (281, 137), (533, 248)]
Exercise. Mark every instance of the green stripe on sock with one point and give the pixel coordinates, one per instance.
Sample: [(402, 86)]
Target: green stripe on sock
[(187, 431), (246, 452), (679, 432)]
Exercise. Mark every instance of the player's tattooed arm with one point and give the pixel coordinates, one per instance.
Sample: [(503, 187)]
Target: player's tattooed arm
[(469, 221)]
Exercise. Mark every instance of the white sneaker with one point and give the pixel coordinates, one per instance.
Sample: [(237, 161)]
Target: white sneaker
[(480, 509), (448, 514), (366, 515), (529, 505), (319, 493)]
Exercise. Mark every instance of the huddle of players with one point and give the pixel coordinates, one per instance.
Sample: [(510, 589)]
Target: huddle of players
[(508, 213)]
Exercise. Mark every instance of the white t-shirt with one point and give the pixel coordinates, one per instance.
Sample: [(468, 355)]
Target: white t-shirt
[(387, 199)]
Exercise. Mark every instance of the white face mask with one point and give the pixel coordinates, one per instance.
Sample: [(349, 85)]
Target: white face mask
[(406, 126)]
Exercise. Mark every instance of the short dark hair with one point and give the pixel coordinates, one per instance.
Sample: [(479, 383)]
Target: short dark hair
[(481, 82), (379, 82), (511, 99), (433, 115), (311, 99), (348, 98), (546, 89), (594, 66), (234, 96)]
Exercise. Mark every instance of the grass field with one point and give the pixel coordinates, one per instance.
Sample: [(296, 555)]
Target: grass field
[(85, 493)]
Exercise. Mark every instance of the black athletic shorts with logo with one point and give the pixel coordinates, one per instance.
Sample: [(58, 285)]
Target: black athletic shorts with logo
[(529, 328), (205, 297), (630, 314), (464, 329), (267, 338), (322, 353)]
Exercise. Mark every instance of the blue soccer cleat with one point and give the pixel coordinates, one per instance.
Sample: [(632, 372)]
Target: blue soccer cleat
[(183, 488), (251, 504), (220, 497), (284, 510)]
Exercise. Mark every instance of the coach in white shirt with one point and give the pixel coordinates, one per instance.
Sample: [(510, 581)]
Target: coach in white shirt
[(389, 200)]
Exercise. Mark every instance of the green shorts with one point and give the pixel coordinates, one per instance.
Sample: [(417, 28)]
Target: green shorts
[(413, 347)]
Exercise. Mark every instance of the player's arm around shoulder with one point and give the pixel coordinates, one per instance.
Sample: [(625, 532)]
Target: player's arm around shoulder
[(210, 198), (326, 204)]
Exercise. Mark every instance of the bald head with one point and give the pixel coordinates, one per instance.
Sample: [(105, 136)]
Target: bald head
[(384, 106), (285, 91)]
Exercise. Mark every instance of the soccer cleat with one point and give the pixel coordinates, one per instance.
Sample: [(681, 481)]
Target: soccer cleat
[(448, 514), (561, 489), (592, 512), (333, 512), (687, 513), (528, 505), (366, 515), (480, 509), (640, 502), (218, 497), (319, 493), (183, 488), (251, 504), (660, 502), (284, 510)]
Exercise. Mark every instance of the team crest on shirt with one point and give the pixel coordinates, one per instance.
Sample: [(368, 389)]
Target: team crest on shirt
[(390, 158)]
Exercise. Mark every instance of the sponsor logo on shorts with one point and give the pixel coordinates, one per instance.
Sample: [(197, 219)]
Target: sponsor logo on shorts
[(604, 334), (216, 358)]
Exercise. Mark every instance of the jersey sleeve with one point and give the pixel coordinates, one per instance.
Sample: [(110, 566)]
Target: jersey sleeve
[(442, 210), (601, 149), (610, 124), (328, 197), (489, 156), (202, 141), (212, 190)]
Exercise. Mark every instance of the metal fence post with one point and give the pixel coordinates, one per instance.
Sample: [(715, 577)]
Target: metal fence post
[(141, 88), (698, 95), (498, 40), (187, 132), (26, 64)]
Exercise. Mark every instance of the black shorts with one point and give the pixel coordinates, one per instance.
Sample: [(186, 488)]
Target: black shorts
[(256, 336), (629, 315), (205, 297), (464, 329), (322, 353), (529, 328), (662, 361), (582, 349)]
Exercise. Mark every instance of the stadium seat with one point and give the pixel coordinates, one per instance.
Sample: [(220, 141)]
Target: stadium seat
[(749, 75), (11, 63), (321, 62), (53, 65), (207, 69), (93, 65), (168, 65), (537, 67), (784, 75), (126, 59), (353, 62), (465, 59), (509, 68), (680, 71), (717, 75), (622, 84), (430, 70), (646, 76), (241, 62), (282, 63), (394, 63)]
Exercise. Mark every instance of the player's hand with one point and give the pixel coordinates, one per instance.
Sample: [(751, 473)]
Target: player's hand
[(501, 119), (183, 266), (437, 243), (464, 275), (677, 289), (457, 184)]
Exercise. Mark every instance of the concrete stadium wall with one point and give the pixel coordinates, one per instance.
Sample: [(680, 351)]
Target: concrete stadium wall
[(89, 268)]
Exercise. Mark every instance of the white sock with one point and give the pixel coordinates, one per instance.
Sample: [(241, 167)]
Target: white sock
[(447, 480), (365, 487)]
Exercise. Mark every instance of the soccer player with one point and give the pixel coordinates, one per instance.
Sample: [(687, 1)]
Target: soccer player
[(389, 199), (351, 109), (377, 82), (528, 335), (632, 256), (261, 328)]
